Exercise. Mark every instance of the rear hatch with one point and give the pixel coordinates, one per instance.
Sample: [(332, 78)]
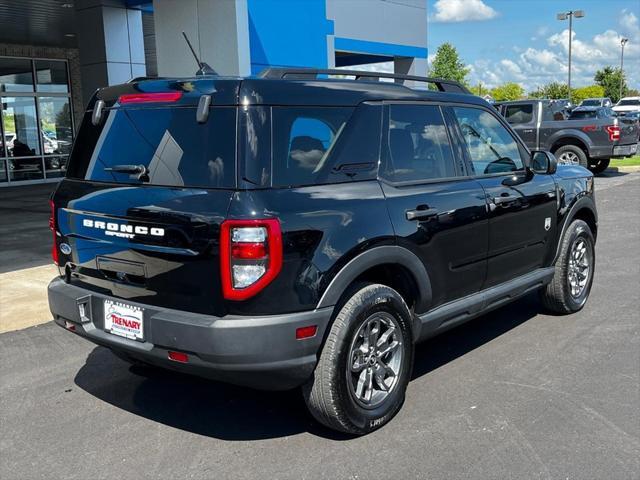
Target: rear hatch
[(147, 189)]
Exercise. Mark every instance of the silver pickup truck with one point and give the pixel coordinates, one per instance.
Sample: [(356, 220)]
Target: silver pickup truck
[(589, 140)]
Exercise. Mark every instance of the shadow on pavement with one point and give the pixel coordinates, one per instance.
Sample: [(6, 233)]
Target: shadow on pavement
[(25, 239), (234, 413), (611, 173)]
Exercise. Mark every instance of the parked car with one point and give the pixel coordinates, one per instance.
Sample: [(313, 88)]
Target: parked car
[(627, 104), (581, 113), (596, 102), (302, 230), (634, 116), (590, 142)]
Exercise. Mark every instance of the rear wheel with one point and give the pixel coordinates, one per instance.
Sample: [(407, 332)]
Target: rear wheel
[(572, 155), (360, 381), (598, 165), (574, 269)]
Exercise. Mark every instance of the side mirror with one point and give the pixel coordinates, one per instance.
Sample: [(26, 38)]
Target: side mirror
[(543, 162)]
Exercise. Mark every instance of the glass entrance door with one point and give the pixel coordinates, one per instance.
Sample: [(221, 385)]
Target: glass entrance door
[(36, 127)]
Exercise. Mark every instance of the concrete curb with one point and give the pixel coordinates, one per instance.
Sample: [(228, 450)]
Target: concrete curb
[(629, 169), (23, 297)]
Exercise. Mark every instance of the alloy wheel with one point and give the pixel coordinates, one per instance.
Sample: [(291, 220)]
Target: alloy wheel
[(375, 360)]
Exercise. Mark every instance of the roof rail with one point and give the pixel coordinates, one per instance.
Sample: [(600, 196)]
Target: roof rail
[(281, 73)]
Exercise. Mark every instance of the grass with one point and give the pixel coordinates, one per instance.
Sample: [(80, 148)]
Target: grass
[(625, 162)]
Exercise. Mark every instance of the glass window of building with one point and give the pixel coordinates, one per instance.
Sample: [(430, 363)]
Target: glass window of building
[(51, 76), (16, 75), (36, 122)]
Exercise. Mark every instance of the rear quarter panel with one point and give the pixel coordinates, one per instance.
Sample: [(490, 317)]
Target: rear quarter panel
[(323, 227)]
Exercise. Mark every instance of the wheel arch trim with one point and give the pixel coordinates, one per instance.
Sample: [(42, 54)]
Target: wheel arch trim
[(388, 254), (583, 203)]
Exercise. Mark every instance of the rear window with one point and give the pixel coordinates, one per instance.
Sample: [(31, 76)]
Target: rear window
[(174, 148), (590, 103), (577, 115)]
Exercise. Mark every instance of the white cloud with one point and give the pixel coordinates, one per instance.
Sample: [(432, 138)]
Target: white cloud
[(533, 67), (462, 11), (629, 23)]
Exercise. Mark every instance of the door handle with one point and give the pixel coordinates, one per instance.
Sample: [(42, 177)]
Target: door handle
[(528, 130), (421, 214), (505, 199)]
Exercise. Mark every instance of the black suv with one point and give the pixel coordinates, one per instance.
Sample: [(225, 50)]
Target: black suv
[(304, 229)]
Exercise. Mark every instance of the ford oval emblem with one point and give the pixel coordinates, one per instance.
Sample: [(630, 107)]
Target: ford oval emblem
[(65, 248)]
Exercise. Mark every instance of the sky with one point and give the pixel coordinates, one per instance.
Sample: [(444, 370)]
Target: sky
[(522, 41)]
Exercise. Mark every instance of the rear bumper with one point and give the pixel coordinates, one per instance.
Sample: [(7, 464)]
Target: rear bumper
[(625, 150), (260, 352)]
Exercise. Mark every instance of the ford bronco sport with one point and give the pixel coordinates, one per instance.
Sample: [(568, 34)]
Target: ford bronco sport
[(297, 229)]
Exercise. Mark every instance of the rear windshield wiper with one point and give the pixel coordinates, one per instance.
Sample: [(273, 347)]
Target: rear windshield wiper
[(139, 170)]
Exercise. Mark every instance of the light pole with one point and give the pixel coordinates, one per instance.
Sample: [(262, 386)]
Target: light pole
[(623, 42), (563, 16)]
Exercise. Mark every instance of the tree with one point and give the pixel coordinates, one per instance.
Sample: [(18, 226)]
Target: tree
[(447, 64), (552, 90), (507, 91), (592, 91), (609, 79)]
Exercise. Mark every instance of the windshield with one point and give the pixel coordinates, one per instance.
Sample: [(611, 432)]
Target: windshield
[(158, 146), (629, 102)]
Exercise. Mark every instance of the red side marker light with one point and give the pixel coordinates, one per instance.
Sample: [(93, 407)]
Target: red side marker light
[(306, 332), (178, 357), (155, 97), (53, 227)]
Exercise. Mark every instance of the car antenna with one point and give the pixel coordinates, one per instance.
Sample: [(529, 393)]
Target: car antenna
[(203, 67)]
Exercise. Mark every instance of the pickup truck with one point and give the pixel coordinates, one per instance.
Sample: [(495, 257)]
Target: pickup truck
[(590, 142)]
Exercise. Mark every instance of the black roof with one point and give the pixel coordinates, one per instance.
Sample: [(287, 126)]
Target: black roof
[(273, 90)]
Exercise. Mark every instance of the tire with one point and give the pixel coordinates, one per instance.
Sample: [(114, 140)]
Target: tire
[(336, 395), (599, 166), (572, 154), (559, 296)]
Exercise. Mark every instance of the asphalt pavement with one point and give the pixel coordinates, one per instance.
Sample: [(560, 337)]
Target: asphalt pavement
[(513, 394)]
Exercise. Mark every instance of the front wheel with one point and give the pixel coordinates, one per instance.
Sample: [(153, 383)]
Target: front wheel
[(360, 381), (598, 165), (574, 269)]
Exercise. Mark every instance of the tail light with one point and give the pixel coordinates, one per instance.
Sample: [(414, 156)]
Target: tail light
[(250, 256), (154, 97), (53, 228), (614, 132)]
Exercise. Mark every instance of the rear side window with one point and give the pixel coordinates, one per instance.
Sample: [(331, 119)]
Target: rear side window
[(419, 147), (174, 148), (554, 111), (517, 114), (302, 142)]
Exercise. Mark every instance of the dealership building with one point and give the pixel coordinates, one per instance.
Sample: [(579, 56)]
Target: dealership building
[(55, 53)]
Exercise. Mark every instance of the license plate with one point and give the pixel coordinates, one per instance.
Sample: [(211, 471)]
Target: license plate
[(123, 320)]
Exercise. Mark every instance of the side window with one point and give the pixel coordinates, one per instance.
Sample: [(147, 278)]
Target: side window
[(517, 114), (302, 141), (553, 111), (492, 149), (419, 147)]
